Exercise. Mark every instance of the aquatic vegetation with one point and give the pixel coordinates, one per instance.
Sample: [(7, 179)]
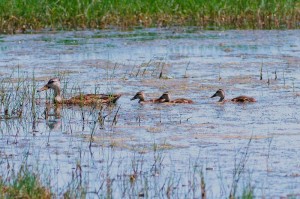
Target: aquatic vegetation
[(20, 15), (158, 150), (23, 184)]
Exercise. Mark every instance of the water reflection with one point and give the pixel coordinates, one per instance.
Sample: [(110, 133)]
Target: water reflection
[(53, 117)]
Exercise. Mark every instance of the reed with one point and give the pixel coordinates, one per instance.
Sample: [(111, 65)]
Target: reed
[(26, 15)]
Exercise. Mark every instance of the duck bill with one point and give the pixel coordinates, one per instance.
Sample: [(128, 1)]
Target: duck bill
[(44, 88), (161, 97), (133, 98), (214, 95)]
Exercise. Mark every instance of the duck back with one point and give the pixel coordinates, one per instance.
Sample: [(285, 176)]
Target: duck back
[(182, 101), (243, 98), (90, 99)]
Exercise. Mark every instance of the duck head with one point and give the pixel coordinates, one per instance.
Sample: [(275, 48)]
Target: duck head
[(220, 93), (139, 95), (53, 84), (165, 96)]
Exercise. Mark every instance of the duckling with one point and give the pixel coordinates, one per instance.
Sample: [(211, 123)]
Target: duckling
[(220, 93), (167, 98), (141, 96), (88, 99)]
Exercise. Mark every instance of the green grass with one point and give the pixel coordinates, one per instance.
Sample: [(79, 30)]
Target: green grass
[(25, 184), (16, 15)]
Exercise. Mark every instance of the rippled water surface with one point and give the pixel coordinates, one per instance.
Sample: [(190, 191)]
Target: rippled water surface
[(167, 148)]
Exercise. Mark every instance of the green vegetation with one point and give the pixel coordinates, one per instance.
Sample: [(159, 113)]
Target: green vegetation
[(22, 15), (25, 184)]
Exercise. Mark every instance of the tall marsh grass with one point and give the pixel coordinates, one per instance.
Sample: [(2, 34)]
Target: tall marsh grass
[(22, 15)]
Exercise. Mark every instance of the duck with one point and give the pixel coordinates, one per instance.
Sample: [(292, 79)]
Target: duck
[(167, 98), (141, 96), (87, 99), (241, 99)]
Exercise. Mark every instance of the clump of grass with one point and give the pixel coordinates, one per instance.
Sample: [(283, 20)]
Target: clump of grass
[(248, 193), (14, 95), (186, 69), (26, 15), (203, 189), (261, 74), (25, 184), (149, 69), (283, 78), (239, 171), (77, 187)]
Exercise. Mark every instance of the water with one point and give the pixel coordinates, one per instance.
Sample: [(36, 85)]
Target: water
[(163, 145)]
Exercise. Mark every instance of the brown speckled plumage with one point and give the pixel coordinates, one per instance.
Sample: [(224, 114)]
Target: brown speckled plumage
[(85, 100), (240, 99)]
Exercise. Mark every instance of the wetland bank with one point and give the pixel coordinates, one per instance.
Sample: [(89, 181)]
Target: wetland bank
[(25, 16), (155, 150)]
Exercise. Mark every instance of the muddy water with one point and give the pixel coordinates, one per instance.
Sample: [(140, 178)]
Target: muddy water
[(164, 145)]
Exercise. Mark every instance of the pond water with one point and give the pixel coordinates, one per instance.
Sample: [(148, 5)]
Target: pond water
[(158, 150)]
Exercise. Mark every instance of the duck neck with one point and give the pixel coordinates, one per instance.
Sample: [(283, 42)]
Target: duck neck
[(168, 98), (142, 99), (57, 96), (221, 99)]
